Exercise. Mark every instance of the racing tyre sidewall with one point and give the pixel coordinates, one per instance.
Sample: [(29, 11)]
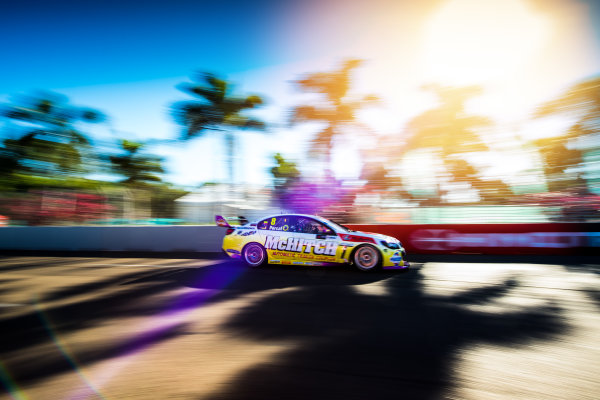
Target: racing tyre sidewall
[(366, 258), (254, 255)]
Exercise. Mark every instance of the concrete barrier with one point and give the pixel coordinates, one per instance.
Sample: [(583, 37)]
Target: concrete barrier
[(541, 239), (205, 239)]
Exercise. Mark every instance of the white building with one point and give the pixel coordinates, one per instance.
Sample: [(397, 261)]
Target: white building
[(201, 206)]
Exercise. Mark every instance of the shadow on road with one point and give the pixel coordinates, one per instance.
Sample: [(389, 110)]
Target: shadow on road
[(401, 342), (350, 345)]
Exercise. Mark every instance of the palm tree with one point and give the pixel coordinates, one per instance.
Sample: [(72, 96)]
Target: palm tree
[(338, 110), (217, 109), (9, 161), (448, 128), (51, 139), (134, 167), (138, 170), (583, 102), (33, 155), (378, 177), (52, 114), (557, 157), (451, 132), (285, 175)]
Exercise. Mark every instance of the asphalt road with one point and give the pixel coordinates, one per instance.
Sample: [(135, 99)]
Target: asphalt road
[(151, 328)]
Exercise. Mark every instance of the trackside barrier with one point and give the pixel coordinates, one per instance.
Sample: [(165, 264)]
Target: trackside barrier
[(545, 239), (205, 239)]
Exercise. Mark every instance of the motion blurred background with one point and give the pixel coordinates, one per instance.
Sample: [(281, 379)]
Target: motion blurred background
[(380, 111)]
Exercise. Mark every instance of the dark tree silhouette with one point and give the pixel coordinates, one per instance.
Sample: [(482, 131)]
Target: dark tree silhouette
[(50, 141), (134, 166), (9, 160), (217, 108)]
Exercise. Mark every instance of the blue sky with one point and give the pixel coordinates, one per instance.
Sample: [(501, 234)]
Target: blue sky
[(125, 58), (78, 43)]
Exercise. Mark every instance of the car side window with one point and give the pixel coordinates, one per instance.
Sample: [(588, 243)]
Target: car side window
[(278, 223), (264, 224), (323, 229), (309, 225), (292, 223)]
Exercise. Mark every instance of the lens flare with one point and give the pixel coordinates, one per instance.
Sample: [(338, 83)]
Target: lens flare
[(158, 327)]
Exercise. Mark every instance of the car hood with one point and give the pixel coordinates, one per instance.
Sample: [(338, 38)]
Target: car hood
[(376, 236)]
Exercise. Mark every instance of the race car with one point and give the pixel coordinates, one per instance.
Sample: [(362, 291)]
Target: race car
[(299, 239)]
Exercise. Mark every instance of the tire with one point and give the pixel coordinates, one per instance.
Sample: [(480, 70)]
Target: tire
[(366, 258), (254, 255)]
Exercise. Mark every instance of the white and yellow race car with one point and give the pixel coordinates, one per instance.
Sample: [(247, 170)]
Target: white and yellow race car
[(298, 239)]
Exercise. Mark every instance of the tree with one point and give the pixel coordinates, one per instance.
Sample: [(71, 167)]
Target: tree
[(217, 109), (581, 101), (139, 172), (50, 142), (448, 128), (378, 177), (134, 167), (557, 157), (338, 110), (9, 161), (285, 174), (451, 132), (32, 155), (496, 190)]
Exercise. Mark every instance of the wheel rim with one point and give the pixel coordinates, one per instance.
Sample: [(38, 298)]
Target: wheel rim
[(366, 258), (254, 255)]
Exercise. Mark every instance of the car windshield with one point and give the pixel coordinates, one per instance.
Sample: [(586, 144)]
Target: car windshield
[(339, 226)]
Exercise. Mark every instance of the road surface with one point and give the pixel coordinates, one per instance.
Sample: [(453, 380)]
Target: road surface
[(150, 328)]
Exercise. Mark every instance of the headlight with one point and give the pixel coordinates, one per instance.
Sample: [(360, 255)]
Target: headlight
[(391, 245)]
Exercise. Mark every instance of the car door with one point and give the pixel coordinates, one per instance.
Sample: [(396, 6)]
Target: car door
[(275, 233), (292, 239)]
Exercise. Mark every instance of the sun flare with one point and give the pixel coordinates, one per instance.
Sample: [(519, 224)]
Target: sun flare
[(474, 41)]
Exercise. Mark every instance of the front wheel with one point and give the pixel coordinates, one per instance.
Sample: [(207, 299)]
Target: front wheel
[(254, 255), (366, 258)]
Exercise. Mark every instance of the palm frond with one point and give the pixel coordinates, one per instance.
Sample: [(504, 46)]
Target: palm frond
[(322, 142), (583, 97), (311, 113)]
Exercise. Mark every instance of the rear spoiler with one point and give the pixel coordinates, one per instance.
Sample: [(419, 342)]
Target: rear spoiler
[(221, 221)]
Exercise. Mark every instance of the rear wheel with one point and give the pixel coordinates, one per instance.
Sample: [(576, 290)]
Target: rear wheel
[(366, 258), (254, 255)]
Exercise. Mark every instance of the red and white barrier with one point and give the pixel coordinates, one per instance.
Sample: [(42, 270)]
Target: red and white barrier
[(561, 238)]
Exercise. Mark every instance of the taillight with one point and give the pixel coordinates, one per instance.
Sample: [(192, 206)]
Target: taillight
[(357, 238), (230, 231)]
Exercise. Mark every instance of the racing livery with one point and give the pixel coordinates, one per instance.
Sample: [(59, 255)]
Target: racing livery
[(299, 239)]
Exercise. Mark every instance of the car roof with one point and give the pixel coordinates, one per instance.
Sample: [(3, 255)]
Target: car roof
[(331, 224), (318, 218)]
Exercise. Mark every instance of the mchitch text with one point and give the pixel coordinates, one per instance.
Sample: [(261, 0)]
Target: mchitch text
[(324, 247)]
